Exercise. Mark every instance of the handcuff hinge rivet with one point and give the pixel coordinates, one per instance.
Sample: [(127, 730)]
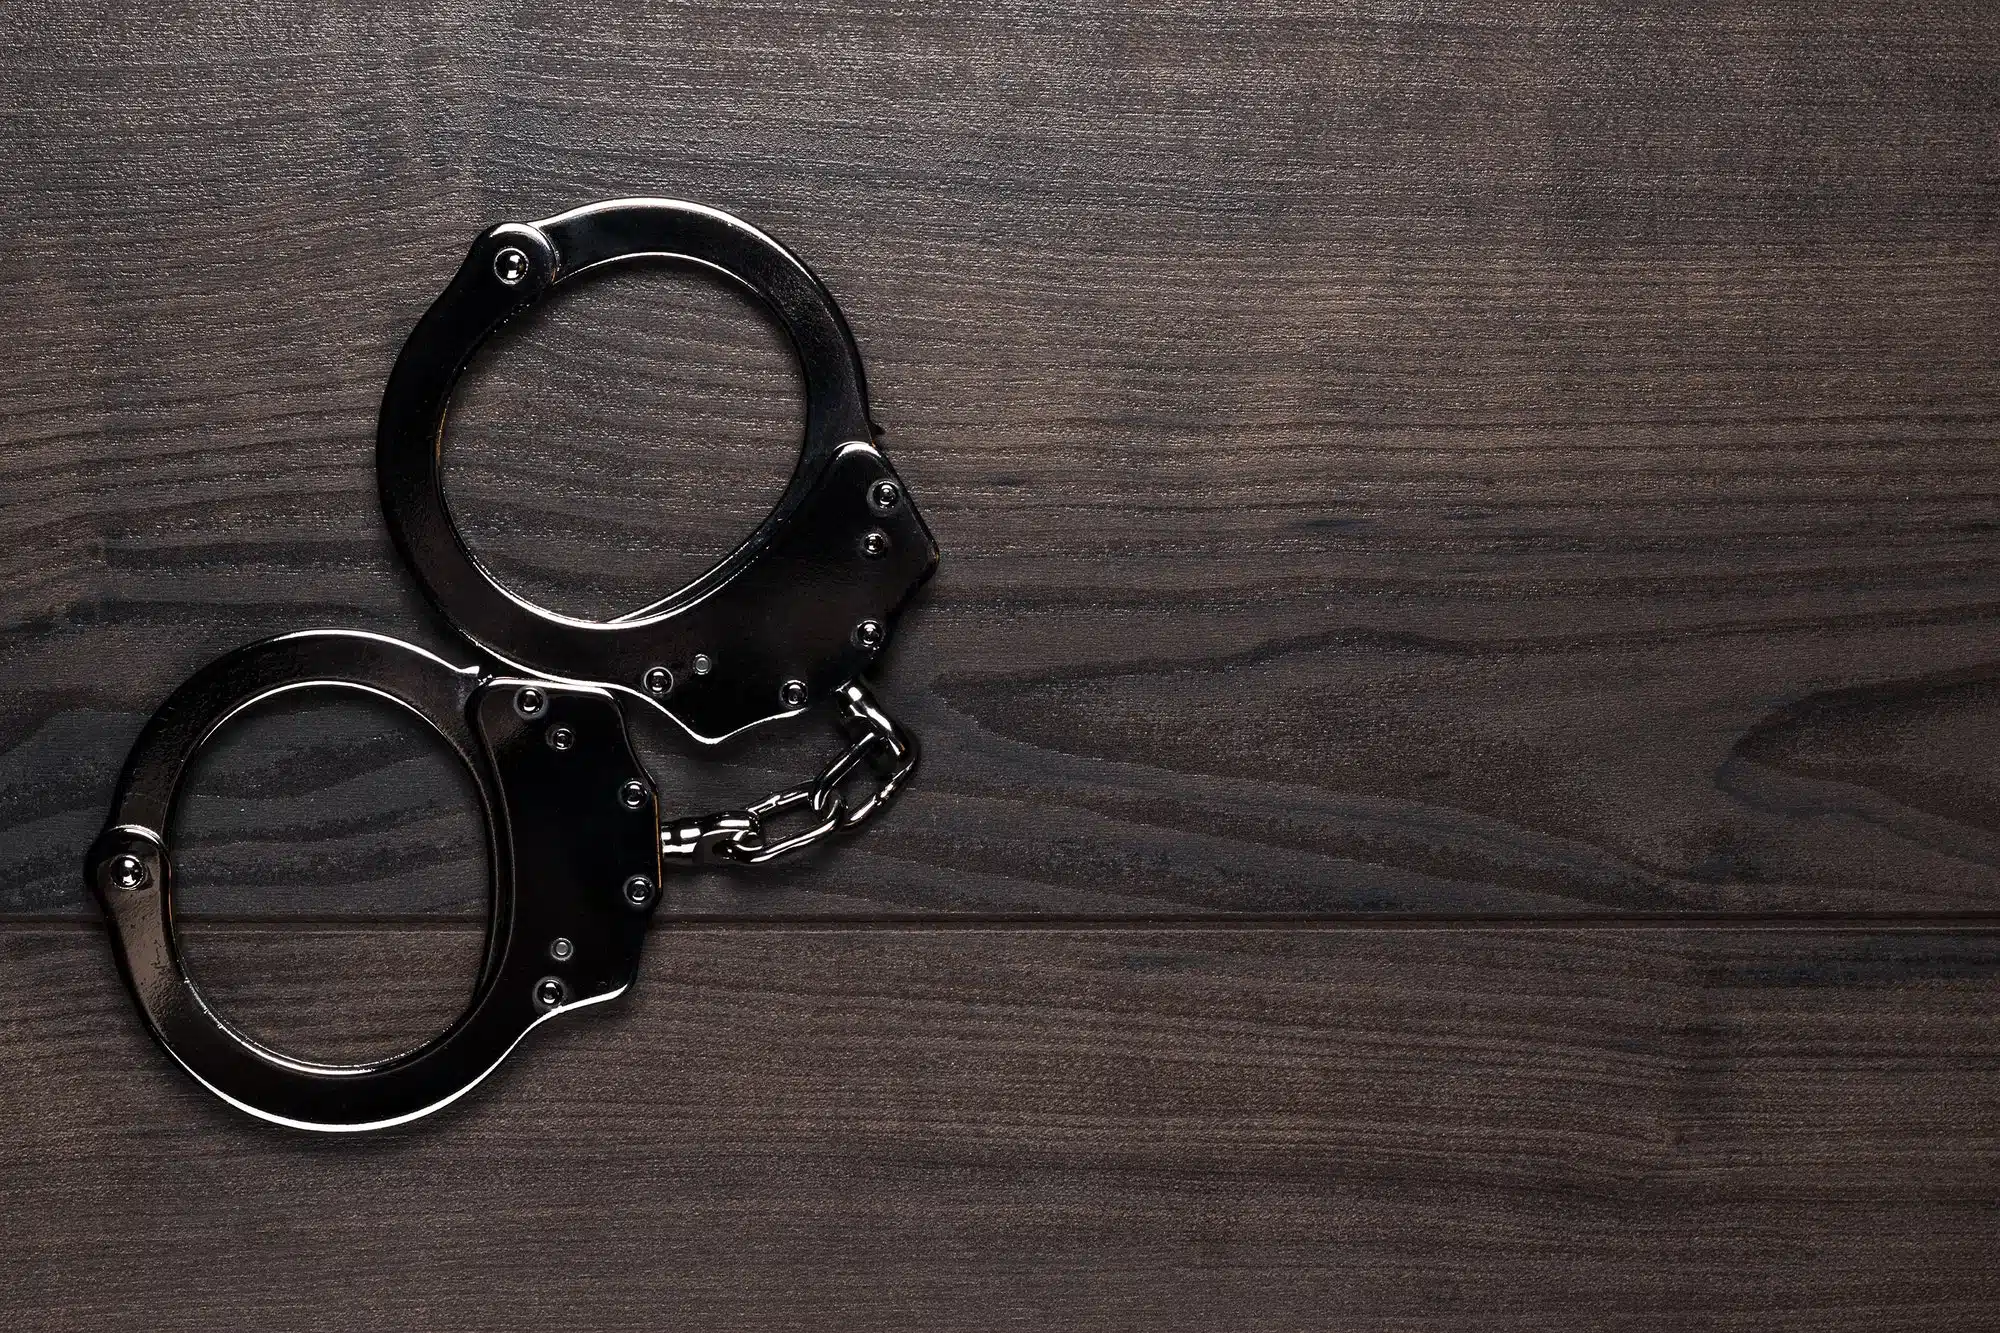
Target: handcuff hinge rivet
[(792, 694), (869, 634), (561, 738), (129, 872), (510, 265), (529, 701), (875, 545), (703, 664), (549, 993), (633, 794), (659, 682), (639, 891), (561, 949), (883, 495)]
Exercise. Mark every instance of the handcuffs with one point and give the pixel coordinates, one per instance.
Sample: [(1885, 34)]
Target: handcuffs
[(575, 844)]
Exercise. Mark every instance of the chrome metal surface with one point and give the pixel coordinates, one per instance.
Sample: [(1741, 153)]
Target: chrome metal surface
[(781, 605), (741, 835), (557, 856), (129, 872), (702, 840), (575, 842), (510, 266)]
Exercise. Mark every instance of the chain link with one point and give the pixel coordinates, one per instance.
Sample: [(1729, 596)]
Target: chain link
[(739, 837)]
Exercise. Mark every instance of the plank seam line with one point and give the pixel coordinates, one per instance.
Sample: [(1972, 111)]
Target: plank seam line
[(1928, 923)]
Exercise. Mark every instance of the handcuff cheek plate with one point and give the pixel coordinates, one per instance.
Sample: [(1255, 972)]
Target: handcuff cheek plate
[(800, 607), (572, 830)]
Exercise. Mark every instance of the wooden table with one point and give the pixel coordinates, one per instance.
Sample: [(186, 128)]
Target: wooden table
[(1461, 702)]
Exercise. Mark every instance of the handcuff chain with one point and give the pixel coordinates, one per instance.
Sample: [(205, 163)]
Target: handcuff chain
[(738, 836)]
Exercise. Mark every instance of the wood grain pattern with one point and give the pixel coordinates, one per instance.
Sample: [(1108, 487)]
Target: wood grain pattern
[(979, 1128), (1443, 462), (1388, 458)]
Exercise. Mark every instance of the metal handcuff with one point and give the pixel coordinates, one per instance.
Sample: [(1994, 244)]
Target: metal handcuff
[(575, 843)]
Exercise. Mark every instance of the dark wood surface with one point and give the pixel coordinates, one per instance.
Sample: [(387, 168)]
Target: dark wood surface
[(1383, 463), (991, 1128), (1523, 476)]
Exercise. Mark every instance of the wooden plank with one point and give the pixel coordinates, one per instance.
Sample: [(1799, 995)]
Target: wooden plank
[(986, 1128), (1386, 461)]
